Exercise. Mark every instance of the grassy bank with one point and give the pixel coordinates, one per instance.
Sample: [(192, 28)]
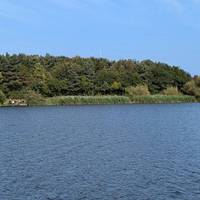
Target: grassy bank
[(78, 100), (88, 100), (151, 99), (156, 99)]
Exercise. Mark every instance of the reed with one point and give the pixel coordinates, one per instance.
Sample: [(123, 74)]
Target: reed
[(79, 100), (156, 99), (88, 100)]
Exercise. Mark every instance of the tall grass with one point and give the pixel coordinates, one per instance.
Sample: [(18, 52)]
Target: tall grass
[(171, 91), (77, 100), (86, 100), (151, 99), (156, 99)]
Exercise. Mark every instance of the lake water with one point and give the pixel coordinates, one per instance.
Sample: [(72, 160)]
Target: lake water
[(136, 152)]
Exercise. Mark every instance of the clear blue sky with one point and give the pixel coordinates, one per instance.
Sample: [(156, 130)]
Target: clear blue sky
[(161, 30)]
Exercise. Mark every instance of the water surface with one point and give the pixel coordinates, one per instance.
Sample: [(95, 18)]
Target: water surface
[(136, 152)]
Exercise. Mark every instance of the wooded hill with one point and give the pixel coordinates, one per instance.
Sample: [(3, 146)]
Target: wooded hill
[(34, 77), (52, 76)]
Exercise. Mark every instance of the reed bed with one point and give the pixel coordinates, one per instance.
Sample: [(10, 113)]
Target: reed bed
[(156, 99), (88, 100), (79, 100)]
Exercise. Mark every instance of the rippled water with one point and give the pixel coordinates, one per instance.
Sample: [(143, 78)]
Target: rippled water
[(136, 152)]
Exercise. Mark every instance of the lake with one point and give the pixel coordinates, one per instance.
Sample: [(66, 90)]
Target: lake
[(136, 152)]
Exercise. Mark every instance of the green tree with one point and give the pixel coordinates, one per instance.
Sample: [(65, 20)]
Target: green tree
[(57, 87), (2, 97), (33, 98), (11, 79), (25, 76), (40, 79), (58, 75), (1, 80), (116, 87)]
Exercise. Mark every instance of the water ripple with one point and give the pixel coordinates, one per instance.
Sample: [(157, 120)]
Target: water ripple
[(136, 152)]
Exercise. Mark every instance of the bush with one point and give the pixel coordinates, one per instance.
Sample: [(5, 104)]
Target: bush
[(191, 88), (33, 98), (2, 97), (139, 90), (171, 91), (17, 94)]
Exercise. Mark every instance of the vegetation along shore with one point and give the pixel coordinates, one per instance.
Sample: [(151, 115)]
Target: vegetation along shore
[(58, 80)]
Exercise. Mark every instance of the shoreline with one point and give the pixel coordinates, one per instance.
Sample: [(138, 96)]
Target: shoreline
[(106, 100), (70, 105)]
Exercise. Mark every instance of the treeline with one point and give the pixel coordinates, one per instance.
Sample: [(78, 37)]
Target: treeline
[(50, 76)]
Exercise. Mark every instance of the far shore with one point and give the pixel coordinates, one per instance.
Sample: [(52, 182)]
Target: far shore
[(101, 100)]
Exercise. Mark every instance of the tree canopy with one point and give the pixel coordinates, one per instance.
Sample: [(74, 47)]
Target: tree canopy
[(57, 75)]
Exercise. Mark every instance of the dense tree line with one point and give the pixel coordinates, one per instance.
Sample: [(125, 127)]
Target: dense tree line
[(53, 76)]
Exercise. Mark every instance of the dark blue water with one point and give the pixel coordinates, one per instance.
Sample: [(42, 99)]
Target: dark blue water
[(136, 152)]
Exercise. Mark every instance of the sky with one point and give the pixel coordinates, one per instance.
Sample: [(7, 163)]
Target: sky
[(161, 30)]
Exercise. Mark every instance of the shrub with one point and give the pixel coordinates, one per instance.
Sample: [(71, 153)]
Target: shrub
[(171, 91), (139, 90), (2, 97), (191, 88), (33, 98), (17, 94)]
